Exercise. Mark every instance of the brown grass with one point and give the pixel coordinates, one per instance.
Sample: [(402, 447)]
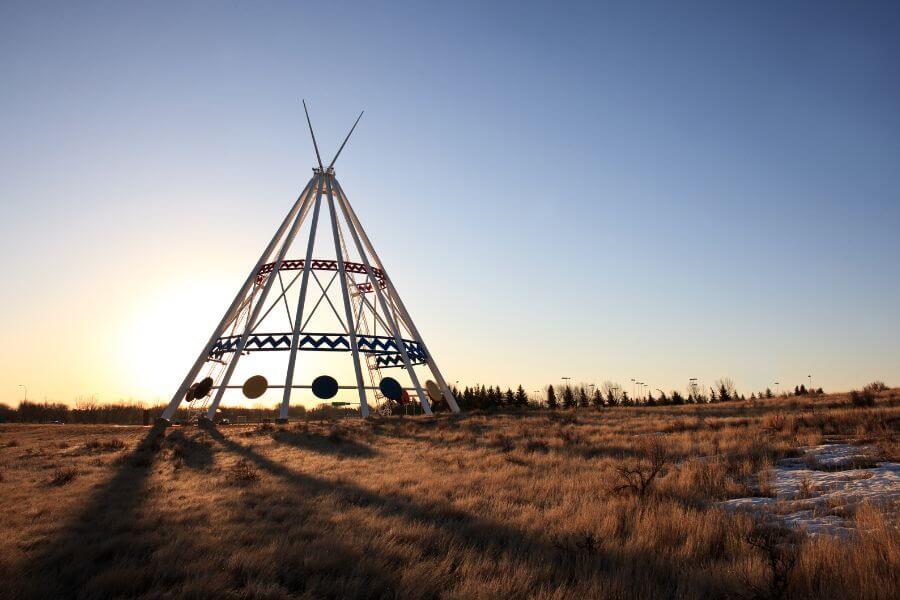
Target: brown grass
[(506, 506)]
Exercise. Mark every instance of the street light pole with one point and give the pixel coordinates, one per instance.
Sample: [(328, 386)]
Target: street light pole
[(22, 385)]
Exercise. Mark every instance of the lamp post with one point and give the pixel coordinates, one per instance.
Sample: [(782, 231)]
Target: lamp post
[(566, 379), (810, 383), (22, 385), (777, 388), (694, 387)]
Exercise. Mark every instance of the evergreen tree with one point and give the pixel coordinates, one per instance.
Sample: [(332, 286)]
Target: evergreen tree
[(568, 398), (677, 398), (769, 393), (495, 397), (802, 390), (583, 400), (626, 401), (521, 399), (611, 399), (724, 393), (651, 401), (597, 399), (796, 391), (712, 394), (510, 398), (552, 402)]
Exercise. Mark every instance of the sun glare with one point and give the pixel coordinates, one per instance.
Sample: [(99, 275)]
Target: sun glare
[(161, 339)]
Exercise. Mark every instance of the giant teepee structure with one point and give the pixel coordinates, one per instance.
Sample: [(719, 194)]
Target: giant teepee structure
[(343, 303)]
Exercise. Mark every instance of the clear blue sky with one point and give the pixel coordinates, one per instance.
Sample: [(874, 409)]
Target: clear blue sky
[(601, 191)]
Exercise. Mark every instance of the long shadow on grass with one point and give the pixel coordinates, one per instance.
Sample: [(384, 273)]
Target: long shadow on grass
[(483, 539), (333, 443), (105, 550)]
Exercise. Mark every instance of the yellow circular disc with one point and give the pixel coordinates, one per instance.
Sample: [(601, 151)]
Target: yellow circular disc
[(434, 392), (255, 387)]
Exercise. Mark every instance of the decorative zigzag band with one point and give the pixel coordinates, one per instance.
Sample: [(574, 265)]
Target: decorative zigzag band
[(385, 347)]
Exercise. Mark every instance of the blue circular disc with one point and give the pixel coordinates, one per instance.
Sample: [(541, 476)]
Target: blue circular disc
[(390, 388), (325, 387)]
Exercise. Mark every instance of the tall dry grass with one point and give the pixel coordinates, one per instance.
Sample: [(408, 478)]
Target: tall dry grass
[(506, 505)]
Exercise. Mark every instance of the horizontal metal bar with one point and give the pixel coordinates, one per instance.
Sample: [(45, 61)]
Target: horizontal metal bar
[(306, 387)]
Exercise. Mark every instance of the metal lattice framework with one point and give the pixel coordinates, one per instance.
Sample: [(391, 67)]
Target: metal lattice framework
[(323, 265), (376, 329)]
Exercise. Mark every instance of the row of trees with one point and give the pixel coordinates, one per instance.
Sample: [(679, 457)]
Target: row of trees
[(584, 396)]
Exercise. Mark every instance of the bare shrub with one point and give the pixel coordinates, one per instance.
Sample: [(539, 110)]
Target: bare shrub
[(876, 386), (862, 399), (583, 543), (780, 550), (637, 475), (764, 482), (64, 476), (242, 472), (110, 445), (806, 488)]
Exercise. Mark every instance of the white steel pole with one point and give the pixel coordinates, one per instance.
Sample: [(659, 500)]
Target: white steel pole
[(432, 365), (348, 310), (251, 321), (173, 405), (301, 302), (395, 331)]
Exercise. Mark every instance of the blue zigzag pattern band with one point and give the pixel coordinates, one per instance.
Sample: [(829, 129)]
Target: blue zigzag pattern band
[(385, 347)]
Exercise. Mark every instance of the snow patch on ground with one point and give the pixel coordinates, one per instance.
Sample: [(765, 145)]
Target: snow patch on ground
[(818, 491)]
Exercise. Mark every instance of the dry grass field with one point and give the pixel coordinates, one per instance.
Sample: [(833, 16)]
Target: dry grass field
[(612, 503)]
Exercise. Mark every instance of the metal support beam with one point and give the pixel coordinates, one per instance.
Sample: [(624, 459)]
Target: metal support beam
[(395, 331), (252, 320), (176, 400), (432, 365), (301, 304), (348, 310)]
